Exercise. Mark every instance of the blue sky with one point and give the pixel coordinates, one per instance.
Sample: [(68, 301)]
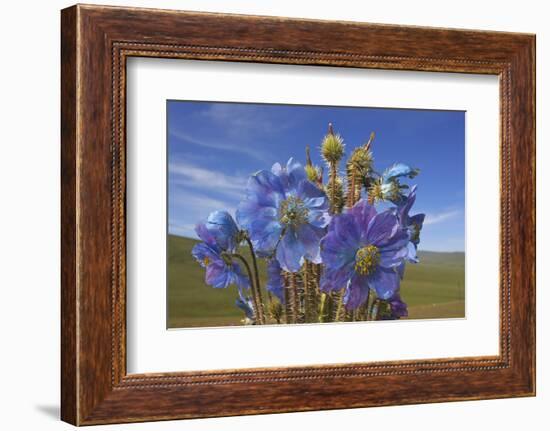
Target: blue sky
[(214, 147)]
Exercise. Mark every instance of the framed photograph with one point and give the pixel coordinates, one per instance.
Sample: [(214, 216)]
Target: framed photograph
[(267, 215)]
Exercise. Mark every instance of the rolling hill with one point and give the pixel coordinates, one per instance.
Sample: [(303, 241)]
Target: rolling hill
[(434, 288)]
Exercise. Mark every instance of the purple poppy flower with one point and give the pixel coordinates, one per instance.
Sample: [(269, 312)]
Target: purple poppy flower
[(214, 253), (413, 224), (275, 280), (285, 215), (398, 307), (394, 309), (361, 251)]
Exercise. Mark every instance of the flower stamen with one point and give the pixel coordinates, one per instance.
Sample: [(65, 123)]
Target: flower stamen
[(293, 211), (367, 259)]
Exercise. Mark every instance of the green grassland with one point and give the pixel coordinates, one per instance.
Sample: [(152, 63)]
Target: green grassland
[(434, 288)]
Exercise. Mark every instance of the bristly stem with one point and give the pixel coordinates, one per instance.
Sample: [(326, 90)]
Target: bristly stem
[(374, 309), (295, 297), (307, 287), (351, 188), (332, 178), (256, 277), (286, 293), (311, 296), (340, 315), (258, 315), (362, 312), (318, 270)]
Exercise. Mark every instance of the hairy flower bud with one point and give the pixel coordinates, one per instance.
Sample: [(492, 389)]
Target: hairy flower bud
[(361, 160), (313, 173), (332, 148)]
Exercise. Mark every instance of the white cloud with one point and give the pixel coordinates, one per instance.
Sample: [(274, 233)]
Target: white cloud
[(223, 144), (202, 191), (188, 208), (441, 217), (195, 177), (186, 229), (198, 203), (241, 119), (238, 128)]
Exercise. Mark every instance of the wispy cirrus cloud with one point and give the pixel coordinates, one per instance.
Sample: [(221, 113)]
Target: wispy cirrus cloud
[(245, 119), (237, 128), (225, 144), (184, 229), (194, 177), (193, 206), (198, 202), (434, 218)]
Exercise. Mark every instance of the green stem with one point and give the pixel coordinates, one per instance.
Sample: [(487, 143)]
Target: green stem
[(258, 314), (322, 308), (256, 277)]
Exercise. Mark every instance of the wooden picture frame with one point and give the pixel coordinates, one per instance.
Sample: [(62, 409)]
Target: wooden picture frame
[(95, 43)]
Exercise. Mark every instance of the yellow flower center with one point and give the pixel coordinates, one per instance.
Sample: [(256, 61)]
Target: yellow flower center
[(293, 211), (367, 259), (206, 261)]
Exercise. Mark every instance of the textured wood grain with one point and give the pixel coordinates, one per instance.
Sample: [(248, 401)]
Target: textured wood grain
[(96, 41), (69, 366)]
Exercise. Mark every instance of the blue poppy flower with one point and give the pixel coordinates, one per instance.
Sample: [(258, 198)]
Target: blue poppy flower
[(245, 304), (275, 282), (285, 215), (361, 251), (214, 253), (224, 230), (398, 170), (413, 224), (388, 187)]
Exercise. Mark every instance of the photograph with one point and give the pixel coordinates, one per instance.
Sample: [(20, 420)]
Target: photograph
[(301, 214)]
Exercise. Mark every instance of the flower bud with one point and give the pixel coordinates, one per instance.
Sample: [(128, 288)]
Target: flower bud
[(332, 148), (361, 160), (312, 173)]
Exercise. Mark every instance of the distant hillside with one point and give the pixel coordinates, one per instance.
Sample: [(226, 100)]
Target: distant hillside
[(434, 288), (438, 257)]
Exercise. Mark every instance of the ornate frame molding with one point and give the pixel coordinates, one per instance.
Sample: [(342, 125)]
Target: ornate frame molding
[(96, 41)]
